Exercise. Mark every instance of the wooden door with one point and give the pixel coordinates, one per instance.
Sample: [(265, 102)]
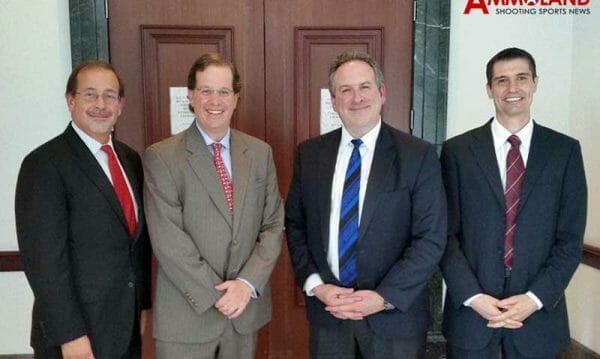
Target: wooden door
[(283, 49)]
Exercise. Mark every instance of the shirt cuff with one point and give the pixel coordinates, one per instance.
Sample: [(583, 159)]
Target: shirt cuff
[(254, 293), (467, 303), (312, 281), (537, 300)]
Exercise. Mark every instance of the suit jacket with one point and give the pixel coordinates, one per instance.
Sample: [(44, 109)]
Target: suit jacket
[(197, 241), (547, 244), (88, 276), (402, 228)]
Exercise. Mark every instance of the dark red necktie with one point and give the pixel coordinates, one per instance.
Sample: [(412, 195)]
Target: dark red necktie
[(515, 172), (121, 189), (222, 173)]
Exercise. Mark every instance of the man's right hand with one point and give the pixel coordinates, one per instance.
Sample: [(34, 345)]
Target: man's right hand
[(330, 294), (486, 306), (80, 348)]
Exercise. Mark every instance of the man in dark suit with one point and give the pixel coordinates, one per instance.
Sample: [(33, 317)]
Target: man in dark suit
[(516, 216), (366, 225), (81, 231)]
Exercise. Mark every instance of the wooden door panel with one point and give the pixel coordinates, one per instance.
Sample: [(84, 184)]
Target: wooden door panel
[(167, 54), (284, 18), (302, 38), (315, 48), (126, 49)]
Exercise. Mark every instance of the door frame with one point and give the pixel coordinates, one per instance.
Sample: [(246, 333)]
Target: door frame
[(431, 40)]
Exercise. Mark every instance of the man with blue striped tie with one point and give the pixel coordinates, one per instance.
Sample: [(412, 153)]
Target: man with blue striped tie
[(366, 225)]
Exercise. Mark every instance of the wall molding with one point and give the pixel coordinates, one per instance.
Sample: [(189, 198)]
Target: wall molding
[(591, 256), (10, 261), (437, 349), (576, 350)]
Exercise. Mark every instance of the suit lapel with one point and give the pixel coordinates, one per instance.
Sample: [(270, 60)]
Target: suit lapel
[(201, 161), (240, 166), (326, 166), (539, 153), (380, 178), (485, 156), (85, 160)]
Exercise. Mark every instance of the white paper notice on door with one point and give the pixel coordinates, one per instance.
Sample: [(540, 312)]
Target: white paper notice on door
[(329, 118), (181, 116)]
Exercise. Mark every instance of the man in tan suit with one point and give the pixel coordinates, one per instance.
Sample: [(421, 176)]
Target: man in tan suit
[(215, 218)]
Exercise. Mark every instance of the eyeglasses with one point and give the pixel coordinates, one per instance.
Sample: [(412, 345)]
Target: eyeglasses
[(208, 92), (108, 97)]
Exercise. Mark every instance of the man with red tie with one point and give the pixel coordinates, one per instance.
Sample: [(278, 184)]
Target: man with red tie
[(81, 229), (516, 217)]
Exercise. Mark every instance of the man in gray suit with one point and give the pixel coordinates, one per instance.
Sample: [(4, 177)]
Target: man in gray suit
[(215, 218)]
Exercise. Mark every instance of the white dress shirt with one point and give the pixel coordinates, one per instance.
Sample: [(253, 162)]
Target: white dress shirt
[(367, 149), (225, 148)]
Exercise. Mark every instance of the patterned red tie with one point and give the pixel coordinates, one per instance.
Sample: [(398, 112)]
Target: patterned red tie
[(515, 171), (120, 187), (223, 176)]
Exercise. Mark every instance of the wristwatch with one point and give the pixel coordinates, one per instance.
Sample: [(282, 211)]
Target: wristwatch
[(387, 305)]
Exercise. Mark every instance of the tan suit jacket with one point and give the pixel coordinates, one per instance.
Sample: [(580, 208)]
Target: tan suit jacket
[(199, 244)]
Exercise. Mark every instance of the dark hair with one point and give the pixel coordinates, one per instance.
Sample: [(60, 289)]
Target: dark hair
[(348, 56), (510, 53), (91, 64), (214, 59)]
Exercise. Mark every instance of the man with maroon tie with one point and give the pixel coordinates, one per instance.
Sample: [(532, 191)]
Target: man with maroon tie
[(516, 216), (81, 229)]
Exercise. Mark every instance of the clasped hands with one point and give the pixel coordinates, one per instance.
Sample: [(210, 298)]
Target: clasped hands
[(234, 299), (346, 303), (508, 313)]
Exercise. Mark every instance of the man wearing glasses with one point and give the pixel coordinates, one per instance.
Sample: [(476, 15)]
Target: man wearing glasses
[(81, 230), (215, 217)]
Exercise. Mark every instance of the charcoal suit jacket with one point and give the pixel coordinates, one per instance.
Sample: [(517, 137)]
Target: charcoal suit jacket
[(88, 275)]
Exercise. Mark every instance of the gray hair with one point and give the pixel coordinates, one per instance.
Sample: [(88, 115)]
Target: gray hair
[(348, 56)]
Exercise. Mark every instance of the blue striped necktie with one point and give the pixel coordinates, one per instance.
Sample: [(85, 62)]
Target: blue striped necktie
[(348, 235)]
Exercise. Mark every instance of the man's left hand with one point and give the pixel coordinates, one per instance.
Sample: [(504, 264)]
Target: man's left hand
[(235, 298), (516, 309), (370, 303)]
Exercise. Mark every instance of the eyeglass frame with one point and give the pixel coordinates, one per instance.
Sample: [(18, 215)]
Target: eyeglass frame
[(208, 92), (91, 96)]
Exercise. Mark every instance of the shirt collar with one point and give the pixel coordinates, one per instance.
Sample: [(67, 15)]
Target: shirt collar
[(501, 134), (209, 141), (369, 139), (91, 143)]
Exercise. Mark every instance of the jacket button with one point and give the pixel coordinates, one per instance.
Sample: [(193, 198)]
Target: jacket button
[(130, 284)]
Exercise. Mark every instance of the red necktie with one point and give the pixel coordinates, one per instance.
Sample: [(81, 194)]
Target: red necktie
[(120, 187), (515, 171), (222, 173)]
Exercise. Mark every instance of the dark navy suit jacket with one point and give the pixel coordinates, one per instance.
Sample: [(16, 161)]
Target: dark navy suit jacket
[(402, 228), (547, 245)]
